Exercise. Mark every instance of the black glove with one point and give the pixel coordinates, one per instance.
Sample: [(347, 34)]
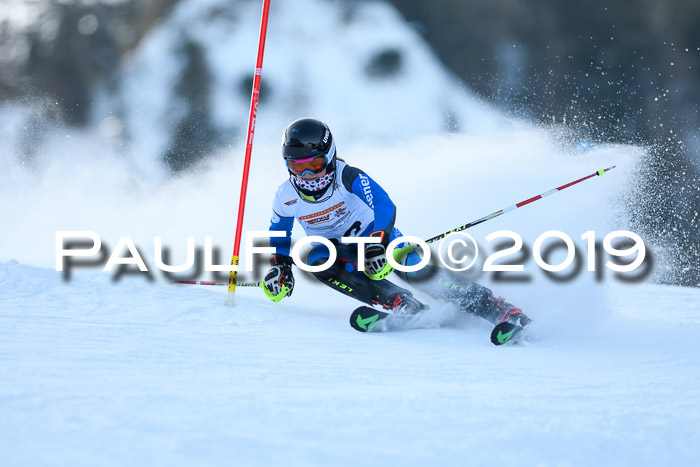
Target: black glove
[(279, 276), (375, 258)]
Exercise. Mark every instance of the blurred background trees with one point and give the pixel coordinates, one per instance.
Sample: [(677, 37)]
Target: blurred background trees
[(60, 48), (625, 71), (620, 70)]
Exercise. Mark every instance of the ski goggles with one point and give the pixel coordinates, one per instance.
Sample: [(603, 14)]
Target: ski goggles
[(313, 165)]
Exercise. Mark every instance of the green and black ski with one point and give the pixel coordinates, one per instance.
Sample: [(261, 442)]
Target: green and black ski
[(368, 319)]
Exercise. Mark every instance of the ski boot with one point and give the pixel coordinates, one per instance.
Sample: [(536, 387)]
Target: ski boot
[(402, 303), (514, 316), (408, 305)]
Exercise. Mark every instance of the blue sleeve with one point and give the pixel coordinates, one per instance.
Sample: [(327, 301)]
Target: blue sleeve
[(374, 196), (285, 224)]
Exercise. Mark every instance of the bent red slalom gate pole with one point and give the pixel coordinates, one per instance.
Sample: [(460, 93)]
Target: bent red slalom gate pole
[(248, 151), (599, 172)]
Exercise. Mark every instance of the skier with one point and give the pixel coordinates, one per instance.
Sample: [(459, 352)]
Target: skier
[(332, 199)]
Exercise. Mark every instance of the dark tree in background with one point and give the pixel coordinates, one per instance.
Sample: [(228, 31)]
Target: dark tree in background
[(195, 135), (626, 70), (71, 46)]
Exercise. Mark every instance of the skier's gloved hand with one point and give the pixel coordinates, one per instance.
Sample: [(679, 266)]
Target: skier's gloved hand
[(376, 265), (279, 280)]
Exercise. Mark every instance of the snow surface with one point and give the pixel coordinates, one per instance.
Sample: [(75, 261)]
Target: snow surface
[(99, 371), (138, 374)]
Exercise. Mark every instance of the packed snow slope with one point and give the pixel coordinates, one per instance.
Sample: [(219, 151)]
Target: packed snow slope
[(140, 374), (114, 370)]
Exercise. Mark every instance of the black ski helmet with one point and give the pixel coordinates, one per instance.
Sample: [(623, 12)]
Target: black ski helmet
[(308, 137)]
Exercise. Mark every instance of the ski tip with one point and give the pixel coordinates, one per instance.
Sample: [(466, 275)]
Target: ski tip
[(364, 318), (505, 333)]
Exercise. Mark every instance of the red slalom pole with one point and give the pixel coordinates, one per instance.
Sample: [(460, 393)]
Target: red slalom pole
[(248, 151), (599, 172)]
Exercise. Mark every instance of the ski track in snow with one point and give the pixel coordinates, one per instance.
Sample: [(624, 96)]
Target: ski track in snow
[(142, 374)]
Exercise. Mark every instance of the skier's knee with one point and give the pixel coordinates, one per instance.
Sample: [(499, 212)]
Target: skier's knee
[(424, 274), (319, 254)]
